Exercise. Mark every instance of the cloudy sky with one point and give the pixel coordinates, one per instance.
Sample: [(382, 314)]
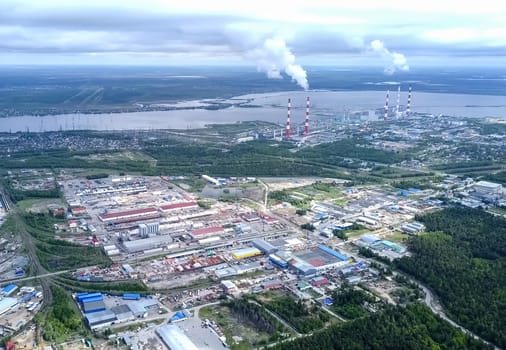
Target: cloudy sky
[(330, 32)]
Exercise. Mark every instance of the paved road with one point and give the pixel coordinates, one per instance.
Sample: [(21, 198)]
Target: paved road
[(433, 303), (23, 279)]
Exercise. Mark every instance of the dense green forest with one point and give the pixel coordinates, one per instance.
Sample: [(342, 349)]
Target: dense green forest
[(62, 319), (349, 302), (303, 318), (497, 177), (253, 314), (463, 260), (413, 327)]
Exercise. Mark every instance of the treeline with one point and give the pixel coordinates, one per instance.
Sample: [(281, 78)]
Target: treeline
[(17, 195), (499, 177), (62, 321), (413, 327), (253, 314), (334, 152), (55, 254), (464, 261), (112, 287), (298, 314), (349, 302)]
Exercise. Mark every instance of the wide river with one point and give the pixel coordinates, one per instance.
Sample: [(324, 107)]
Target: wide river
[(273, 109)]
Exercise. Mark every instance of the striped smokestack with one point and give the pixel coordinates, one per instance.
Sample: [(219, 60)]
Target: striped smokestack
[(288, 119), (408, 106), (385, 117), (306, 124)]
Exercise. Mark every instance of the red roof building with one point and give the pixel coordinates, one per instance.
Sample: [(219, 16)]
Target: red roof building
[(78, 210), (207, 231), (128, 214), (10, 345)]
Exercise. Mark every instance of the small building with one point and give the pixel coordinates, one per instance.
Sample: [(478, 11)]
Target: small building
[(319, 281), (271, 284), (131, 296), (229, 287), (79, 210)]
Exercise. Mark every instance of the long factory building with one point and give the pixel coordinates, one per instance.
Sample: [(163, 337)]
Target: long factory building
[(142, 213)]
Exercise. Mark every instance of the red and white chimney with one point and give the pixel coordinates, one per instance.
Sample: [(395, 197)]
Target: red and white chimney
[(306, 124), (288, 119)]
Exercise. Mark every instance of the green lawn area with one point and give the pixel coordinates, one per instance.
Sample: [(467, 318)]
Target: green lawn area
[(397, 237), (38, 204)]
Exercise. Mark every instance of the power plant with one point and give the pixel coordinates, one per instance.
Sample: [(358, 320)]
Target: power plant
[(398, 113), (288, 119)]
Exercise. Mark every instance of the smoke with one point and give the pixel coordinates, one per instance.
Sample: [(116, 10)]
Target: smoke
[(273, 57), (398, 60)]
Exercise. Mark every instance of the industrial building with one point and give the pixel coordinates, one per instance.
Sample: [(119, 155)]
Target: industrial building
[(100, 319), (319, 259), (211, 180), (6, 304), (147, 243), (207, 231), (264, 246), (245, 253), (149, 229), (174, 338), (486, 188), (9, 289), (412, 228)]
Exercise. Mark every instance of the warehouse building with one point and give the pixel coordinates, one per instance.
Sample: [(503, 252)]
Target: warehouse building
[(207, 231), (93, 306), (264, 246), (9, 289), (317, 260), (486, 188), (6, 304), (174, 338), (140, 245), (100, 319), (245, 253)]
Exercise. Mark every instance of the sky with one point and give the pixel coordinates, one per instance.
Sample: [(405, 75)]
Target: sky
[(274, 35)]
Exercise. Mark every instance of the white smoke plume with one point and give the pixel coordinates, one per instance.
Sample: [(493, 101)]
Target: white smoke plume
[(273, 57), (398, 60)]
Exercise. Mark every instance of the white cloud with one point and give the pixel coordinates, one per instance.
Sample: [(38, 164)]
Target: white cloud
[(313, 30)]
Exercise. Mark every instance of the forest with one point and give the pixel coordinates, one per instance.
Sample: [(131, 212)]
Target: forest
[(413, 327), (349, 302), (62, 319), (463, 259), (303, 318)]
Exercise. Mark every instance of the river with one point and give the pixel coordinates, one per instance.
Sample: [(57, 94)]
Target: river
[(272, 107)]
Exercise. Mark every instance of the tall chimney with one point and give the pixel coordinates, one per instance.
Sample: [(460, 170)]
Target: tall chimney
[(306, 125), (408, 106), (398, 102), (386, 106), (288, 119)]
